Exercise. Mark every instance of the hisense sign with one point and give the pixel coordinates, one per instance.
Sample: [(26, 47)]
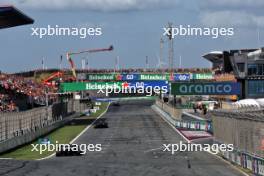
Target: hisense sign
[(221, 88)]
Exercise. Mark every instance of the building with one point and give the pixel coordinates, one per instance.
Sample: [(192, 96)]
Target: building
[(247, 65)]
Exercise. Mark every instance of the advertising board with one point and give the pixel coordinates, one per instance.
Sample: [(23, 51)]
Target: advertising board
[(82, 86), (130, 77), (202, 76), (210, 88), (97, 77), (153, 77), (182, 77), (164, 84)]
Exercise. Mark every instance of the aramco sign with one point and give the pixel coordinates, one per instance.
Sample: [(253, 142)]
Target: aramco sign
[(210, 88)]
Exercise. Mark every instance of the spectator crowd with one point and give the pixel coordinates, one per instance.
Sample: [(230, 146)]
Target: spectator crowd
[(13, 87), (126, 70)]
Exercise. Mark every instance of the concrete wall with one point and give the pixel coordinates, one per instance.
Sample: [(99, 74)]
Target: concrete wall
[(19, 128), (246, 134), (175, 113), (24, 139)]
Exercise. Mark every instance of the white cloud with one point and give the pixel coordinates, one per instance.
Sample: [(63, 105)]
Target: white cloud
[(233, 3), (231, 18), (101, 5)]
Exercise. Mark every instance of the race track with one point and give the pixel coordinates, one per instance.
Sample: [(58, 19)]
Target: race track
[(134, 130)]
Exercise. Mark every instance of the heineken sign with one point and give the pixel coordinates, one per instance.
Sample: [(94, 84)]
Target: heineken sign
[(145, 77), (211, 88), (153, 77), (96, 77), (82, 86), (203, 76)]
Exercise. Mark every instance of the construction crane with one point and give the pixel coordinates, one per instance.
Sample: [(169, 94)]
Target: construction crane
[(51, 77), (69, 54)]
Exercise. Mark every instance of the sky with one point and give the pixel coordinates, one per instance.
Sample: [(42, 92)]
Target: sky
[(133, 27)]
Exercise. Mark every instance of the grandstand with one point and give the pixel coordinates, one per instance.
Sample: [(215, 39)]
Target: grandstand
[(17, 90), (13, 90)]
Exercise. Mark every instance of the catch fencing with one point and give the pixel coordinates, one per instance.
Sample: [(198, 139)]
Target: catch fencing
[(245, 129), (16, 124)]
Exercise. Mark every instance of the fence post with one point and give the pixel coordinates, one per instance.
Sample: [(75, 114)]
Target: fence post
[(6, 129), (1, 128)]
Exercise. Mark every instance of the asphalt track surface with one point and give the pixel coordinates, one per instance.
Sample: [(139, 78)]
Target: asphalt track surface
[(134, 129)]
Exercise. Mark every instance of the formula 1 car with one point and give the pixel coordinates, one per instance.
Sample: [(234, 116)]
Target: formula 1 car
[(101, 123), (68, 150), (116, 103)]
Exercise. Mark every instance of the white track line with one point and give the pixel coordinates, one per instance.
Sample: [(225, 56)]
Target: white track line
[(175, 129), (155, 149), (6, 158), (72, 141)]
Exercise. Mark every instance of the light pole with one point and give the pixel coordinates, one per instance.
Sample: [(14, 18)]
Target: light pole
[(171, 50), (161, 53)]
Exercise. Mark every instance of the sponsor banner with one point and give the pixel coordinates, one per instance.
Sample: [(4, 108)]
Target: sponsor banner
[(81, 86), (97, 77), (130, 77), (102, 85), (220, 88), (152, 84), (182, 77), (202, 76), (204, 126), (154, 77), (136, 77)]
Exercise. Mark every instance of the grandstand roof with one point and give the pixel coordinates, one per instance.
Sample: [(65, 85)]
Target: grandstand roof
[(11, 17), (214, 56)]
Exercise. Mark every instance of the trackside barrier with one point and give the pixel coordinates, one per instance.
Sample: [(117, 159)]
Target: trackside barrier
[(191, 125), (19, 128), (245, 160), (16, 124)]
